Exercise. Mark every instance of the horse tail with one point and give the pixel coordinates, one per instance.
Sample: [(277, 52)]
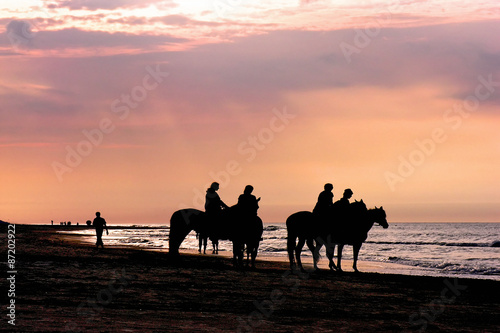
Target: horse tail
[(291, 243)]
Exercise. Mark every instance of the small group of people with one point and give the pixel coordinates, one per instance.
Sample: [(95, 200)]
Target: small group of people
[(325, 202), (247, 202)]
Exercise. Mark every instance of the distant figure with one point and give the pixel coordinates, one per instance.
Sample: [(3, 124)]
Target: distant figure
[(247, 202), (99, 225), (89, 223), (213, 203), (325, 201), (52, 222), (69, 222)]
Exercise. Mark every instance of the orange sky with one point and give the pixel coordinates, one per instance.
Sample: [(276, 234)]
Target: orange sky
[(134, 107)]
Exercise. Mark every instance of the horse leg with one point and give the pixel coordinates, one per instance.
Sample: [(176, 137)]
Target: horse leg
[(330, 249), (235, 253), (314, 250), (200, 242), (238, 254), (255, 249), (339, 257), (290, 246), (355, 250), (247, 262), (298, 250), (205, 240), (215, 246), (241, 254)]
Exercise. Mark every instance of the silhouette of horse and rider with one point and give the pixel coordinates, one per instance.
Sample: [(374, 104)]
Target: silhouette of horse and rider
[(239, 224), (330, 223)]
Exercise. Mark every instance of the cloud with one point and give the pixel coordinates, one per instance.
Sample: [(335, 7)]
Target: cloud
[(108, 4), (172, 20), (286, 61), (76, 38), (221, 84), (20, 33), (181, 20)]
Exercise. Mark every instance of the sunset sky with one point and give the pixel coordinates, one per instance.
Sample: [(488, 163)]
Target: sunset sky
[(133, 107)]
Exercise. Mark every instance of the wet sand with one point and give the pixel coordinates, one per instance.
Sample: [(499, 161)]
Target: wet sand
[(65, 285)]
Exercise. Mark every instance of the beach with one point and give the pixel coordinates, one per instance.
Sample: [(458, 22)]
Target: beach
[(65, 285)]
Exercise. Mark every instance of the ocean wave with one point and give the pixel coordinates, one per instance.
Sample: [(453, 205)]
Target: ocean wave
[(273, 249), (273, 228), (275, 238), (458, 244), (447, 267)]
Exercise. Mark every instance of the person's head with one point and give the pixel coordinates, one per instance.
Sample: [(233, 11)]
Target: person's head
[(97, 214), (214, 186), (248, 189), (348, 193), (328, 187)]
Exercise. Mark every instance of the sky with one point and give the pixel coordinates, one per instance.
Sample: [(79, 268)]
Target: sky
[(133, 107)]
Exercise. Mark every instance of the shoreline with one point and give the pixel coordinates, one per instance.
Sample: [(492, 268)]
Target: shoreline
[(363, 265), (66, 286)]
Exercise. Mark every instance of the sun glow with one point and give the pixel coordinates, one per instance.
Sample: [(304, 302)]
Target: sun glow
[(230, 63)]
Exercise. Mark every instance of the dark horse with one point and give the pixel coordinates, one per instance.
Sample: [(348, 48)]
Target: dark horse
[(232, 225), (340, 228)]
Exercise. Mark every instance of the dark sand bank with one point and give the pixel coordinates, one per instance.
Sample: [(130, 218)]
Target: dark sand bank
[(63, 285)]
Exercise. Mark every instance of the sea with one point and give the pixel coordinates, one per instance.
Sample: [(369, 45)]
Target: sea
[(466, 250)]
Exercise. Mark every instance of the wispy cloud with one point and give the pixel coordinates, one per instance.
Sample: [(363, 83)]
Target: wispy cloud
[(94, 5)]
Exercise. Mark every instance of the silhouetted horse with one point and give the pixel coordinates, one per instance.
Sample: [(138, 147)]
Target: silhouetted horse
[(247, 235), (232, 225), (339, 228)]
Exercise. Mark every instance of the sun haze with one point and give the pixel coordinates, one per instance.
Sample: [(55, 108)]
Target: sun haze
[(133, 107)]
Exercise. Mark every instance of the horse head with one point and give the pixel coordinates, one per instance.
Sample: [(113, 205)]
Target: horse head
[(359, 206), (380, 217)]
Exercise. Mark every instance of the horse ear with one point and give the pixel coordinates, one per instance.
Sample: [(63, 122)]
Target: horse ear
[(361, 200), (376, 207), (381, 207)]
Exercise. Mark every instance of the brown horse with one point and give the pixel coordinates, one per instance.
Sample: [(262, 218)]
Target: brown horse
[(232, 225), (338, 228)]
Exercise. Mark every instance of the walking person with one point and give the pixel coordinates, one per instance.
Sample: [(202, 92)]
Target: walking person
[(99, 225)]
